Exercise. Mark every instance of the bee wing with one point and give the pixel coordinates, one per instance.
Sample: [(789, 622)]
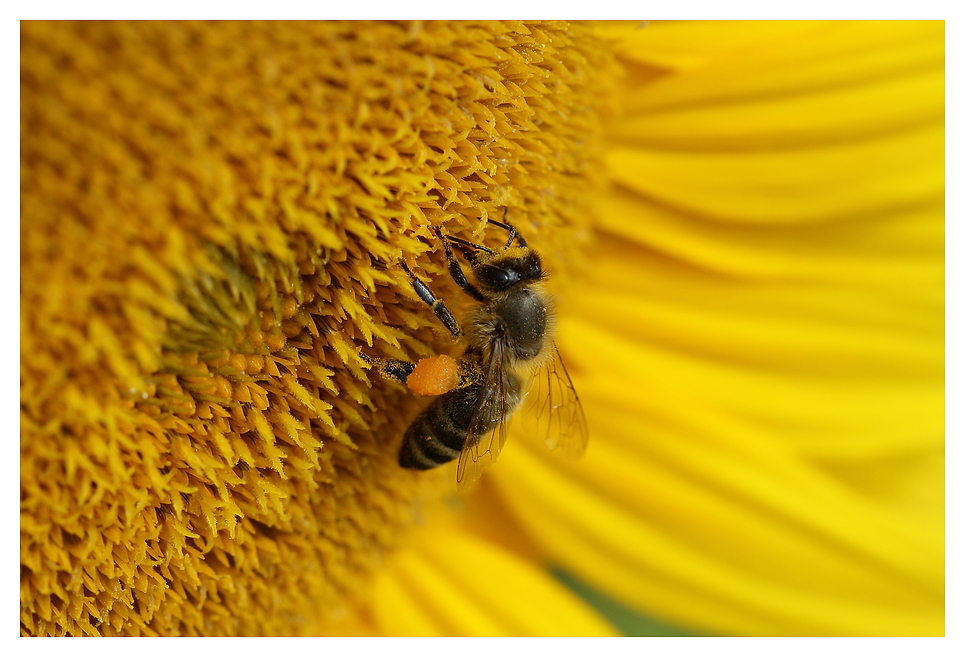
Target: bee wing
[(560, 420), (487, 427)]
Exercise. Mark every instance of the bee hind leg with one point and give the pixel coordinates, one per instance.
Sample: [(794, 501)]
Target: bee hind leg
[(390, 368)]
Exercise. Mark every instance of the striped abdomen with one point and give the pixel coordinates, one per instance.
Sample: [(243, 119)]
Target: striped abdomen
[(437, 435)]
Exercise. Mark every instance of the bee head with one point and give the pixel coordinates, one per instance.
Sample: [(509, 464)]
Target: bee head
[(504, 270)]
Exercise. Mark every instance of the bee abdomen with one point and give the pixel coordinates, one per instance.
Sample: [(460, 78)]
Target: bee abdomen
[(437, 435)]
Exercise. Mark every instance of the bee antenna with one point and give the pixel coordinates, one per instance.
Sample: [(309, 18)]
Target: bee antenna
[(477, 247), (513, 233)]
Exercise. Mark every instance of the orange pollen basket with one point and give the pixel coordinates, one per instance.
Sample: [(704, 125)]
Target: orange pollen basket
[(434, 376)]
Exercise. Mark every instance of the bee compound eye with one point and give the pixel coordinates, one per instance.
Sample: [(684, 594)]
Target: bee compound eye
[(497, 278)]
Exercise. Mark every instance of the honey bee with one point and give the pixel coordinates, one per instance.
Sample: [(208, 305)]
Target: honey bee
[(509, 347)]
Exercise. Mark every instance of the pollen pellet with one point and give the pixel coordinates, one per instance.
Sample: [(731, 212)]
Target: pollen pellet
[(434, 376)]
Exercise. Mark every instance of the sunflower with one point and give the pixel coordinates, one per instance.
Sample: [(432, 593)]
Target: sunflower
[(744, 223)]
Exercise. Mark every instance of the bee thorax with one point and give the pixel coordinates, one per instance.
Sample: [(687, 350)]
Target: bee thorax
[(524, 317)]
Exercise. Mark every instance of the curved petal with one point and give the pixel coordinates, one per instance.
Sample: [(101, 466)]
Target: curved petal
[(835, 183), (759, 342), (698, 550), (693, 44), (454, 584), (722, 63)]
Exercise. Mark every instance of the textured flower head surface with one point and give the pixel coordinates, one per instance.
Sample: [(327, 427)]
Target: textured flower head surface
[(744, 227)]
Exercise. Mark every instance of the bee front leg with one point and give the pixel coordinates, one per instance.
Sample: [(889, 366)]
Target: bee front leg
[(438, 305), (513, 233), (455, 269)]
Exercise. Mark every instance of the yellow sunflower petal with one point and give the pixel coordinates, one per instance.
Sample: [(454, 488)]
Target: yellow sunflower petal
[(759, 342), (454, 584), (822, 184), (819, 117), (786, 58), (692, 44), (694, 549), (840, 371)]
